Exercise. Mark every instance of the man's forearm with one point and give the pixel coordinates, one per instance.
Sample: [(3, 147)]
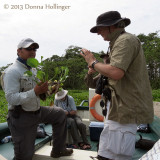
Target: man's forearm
[(109, 71)]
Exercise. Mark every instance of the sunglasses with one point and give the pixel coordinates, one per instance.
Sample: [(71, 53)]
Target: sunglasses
[(31, 49)]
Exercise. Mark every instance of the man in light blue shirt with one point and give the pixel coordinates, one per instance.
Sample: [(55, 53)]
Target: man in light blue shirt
[(24, 110)]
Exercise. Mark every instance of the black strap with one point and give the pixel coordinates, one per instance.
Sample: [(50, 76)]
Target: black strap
[(67, 100)]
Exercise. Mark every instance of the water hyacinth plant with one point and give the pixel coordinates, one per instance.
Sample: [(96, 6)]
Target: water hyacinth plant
[(41, 76), (55, 83)]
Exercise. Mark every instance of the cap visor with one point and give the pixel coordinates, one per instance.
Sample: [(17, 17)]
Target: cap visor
[(29, 44)]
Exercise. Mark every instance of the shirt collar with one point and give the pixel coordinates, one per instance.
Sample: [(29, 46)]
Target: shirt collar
[(115, 35), (24, 62)]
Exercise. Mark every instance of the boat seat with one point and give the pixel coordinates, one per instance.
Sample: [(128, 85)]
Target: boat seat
[(154, 135), (155, 126), (6, 150)]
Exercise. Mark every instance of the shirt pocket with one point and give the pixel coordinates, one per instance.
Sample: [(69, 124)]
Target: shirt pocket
[(26, 83)]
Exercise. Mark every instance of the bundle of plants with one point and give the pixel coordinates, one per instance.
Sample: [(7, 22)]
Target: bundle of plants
[(54, 84)]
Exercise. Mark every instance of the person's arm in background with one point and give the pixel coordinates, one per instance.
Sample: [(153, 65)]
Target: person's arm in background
[(72, 105), (90, 81), (57, 105)]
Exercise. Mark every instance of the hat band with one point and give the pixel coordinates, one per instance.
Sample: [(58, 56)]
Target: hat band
[(108, 20)]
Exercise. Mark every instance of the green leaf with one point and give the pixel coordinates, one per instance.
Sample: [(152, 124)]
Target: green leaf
[(64, 74), (32, 62), (46, 76), (56, 72), (41, 61), (28, 73), (41, 76)]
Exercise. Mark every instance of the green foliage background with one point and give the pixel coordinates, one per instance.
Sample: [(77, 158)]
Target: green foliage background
[(151, 47), (76, 65), (3, 107), (78, 95)]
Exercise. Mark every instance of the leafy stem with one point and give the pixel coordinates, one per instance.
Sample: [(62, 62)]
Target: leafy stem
[(55, 83)]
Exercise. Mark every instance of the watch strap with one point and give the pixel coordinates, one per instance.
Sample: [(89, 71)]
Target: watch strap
[(95, 62)]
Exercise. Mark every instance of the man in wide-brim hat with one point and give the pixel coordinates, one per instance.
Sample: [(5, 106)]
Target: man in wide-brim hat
[(109, 19), (131, 98)]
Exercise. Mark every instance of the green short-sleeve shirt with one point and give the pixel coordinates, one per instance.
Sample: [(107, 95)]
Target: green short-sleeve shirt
[(131, 96)]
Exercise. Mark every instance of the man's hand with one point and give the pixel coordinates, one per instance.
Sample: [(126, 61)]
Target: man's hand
[(42, 88), (88, 56), (71, 112), (104, 69), (91, 70)]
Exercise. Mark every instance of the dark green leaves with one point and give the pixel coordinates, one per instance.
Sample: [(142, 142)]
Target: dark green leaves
[(151, 47), (33, 62)]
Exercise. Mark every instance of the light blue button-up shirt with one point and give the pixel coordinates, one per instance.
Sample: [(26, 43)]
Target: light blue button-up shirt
[(19, 89)]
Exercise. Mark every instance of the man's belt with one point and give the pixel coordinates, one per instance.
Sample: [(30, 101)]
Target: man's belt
[(18, 110)]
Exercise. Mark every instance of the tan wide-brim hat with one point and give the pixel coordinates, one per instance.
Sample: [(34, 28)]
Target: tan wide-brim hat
[(61, 94)]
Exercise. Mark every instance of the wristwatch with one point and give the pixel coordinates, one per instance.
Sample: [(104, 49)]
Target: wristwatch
[(95, 62)]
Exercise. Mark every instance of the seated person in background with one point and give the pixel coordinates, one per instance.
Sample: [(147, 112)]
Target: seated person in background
[(74, 122)]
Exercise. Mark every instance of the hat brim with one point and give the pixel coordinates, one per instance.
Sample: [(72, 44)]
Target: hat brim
[(32, 43), (110, 23), (62, 96)]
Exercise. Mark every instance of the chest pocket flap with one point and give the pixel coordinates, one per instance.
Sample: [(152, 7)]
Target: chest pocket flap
[(26, 83)]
